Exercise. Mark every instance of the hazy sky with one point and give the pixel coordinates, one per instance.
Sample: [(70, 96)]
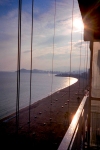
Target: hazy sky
[(43, 34)]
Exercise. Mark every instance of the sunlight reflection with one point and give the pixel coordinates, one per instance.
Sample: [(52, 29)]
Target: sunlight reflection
[(74, 121), (71, 80), (68, 82), (78, 24)]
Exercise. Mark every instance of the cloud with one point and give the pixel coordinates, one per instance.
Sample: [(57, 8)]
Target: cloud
[(27, 51), (50, 56), (78, 44), (46, 38), (8, 32), (5, 2)]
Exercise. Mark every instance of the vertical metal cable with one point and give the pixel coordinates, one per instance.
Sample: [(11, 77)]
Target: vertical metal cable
[(71, 46), (71, 55), (18, 64), (52, 78), (80, 64), (53, 53), (84, 68), (87, 65), (31, 64)]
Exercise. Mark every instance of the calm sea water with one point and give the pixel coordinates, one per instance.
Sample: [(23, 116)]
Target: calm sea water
[(41, 87)]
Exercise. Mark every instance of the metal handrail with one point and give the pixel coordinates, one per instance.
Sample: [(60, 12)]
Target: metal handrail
[(69, 137)]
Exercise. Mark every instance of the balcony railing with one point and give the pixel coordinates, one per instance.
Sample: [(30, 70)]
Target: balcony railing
[(76, 135)]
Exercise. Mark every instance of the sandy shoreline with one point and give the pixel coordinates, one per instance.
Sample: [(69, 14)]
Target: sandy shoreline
[(49, 120)]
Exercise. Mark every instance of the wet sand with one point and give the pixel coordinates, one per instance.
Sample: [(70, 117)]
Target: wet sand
[(49, 120)]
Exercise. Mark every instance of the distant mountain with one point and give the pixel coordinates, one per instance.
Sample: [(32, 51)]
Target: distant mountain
[(24, 71), (38, 71), (58, 73)]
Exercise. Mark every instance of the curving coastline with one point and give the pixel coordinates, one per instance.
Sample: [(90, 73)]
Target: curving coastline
[(49, 120)]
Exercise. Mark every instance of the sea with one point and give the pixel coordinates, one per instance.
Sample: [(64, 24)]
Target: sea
[(42, 85)]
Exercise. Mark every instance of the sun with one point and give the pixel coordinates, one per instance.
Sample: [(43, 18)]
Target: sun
[(78, 24)]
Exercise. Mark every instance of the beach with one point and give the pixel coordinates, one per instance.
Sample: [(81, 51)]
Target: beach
[(49, 120)]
